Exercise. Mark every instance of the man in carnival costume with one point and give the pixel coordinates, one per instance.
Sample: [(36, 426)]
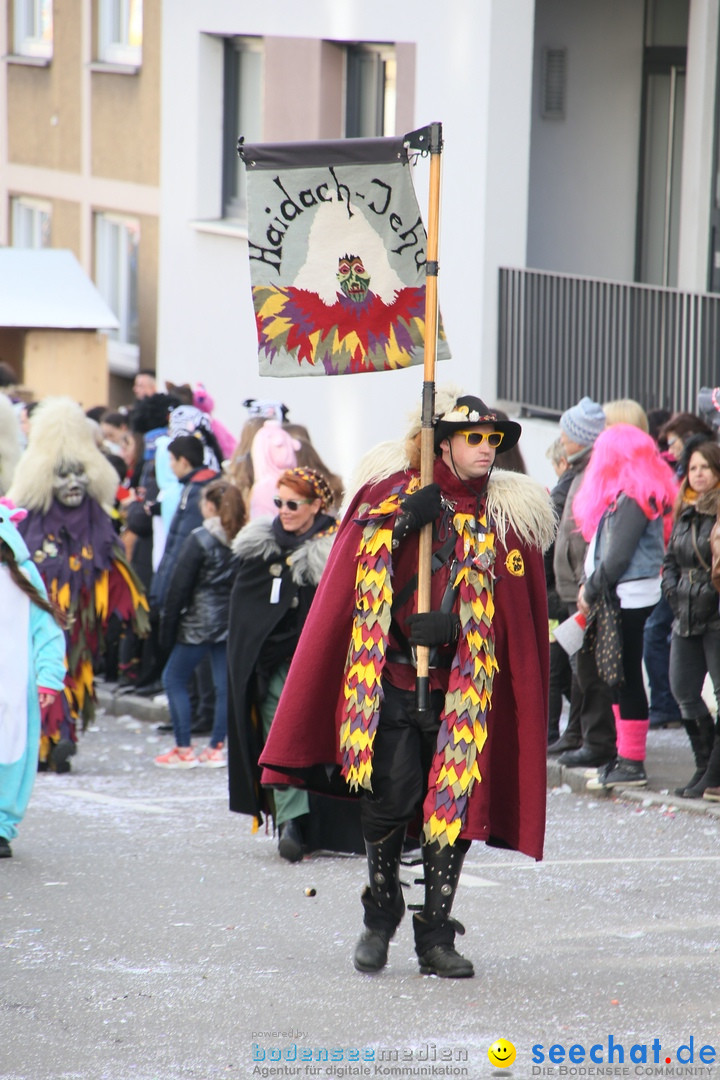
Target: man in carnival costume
[(68, 486), (472, 766)]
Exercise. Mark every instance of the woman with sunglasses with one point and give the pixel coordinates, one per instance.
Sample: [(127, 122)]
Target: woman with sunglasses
[(281, 560)]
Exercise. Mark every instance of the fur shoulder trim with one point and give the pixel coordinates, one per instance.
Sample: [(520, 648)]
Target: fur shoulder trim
[(308, 561), (256, 540), (709, 502), (518, 500)]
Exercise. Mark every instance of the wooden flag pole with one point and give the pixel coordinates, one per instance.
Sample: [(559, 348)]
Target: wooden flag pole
[(427, 452)]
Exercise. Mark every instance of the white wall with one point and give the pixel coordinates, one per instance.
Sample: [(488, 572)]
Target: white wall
[(473, 74), (584, 169)]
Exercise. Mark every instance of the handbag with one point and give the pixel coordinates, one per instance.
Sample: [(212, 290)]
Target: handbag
[(603, 636)]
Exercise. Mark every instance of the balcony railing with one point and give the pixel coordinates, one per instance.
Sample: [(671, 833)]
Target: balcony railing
[(561, 337)]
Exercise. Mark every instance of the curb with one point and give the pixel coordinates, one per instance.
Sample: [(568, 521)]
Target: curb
[(558, 776), (153, 712)]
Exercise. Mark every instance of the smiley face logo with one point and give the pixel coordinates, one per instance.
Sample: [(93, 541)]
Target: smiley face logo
[(501, 1053)]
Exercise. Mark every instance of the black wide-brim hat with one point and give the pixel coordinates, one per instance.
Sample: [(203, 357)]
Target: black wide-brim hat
[(468, 412)]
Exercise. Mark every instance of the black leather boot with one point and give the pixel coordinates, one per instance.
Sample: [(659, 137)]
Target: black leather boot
[(701, 733), (434, 929), (291, 845), (382, 901), (711, 777)]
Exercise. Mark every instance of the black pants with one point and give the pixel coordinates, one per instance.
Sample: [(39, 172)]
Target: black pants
[(559, 685), (403, 750), (597, 721)]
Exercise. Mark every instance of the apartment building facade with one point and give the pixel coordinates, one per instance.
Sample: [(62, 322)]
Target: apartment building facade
[(79, 153)]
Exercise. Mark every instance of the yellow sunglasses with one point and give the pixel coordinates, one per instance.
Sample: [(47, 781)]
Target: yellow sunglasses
[(476, 438)]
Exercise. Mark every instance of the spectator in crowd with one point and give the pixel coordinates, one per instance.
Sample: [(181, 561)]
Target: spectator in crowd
[(194, 621), (281, 560), (688, 587), (513, 459), (139, 657), (681, 427), (625, 494), (560, 684), (679, 433), (657, 418), (24, 411), (591, 700), (626, 411), (186, 454), (144, 384), (8, 379), (113, 426), (203, 400), (273, 452)]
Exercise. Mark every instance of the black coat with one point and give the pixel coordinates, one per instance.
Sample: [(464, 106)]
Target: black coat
[(197, 599), (270, 599), (140, 522), (686, 569)]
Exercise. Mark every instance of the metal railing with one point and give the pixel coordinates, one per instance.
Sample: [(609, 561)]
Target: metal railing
[(561, 337)]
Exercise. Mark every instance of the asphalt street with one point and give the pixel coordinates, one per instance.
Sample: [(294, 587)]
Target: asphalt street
[(147, 934)]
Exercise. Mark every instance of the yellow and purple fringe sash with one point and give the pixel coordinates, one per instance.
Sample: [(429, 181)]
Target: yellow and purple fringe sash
[(462, 734)]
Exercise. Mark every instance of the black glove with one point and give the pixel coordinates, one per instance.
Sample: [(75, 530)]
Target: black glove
[(433, 628), (422, 506)]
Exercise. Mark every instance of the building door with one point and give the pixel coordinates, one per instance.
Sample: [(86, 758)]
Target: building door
[(660, 165)]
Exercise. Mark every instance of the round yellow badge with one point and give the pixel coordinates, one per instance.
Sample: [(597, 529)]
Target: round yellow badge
[(514, 563)]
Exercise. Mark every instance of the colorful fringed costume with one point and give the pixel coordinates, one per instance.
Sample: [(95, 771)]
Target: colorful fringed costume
[(470, 763), (68, 488), (490, 745), (83, 566)]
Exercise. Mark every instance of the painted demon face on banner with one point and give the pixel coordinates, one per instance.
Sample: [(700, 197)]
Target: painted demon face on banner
[(70, 483), (353, 277)]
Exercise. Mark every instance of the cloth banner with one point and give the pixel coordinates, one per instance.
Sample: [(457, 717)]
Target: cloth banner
[(337, 252)]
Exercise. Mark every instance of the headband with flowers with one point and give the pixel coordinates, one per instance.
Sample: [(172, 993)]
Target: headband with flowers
[(316, 480)]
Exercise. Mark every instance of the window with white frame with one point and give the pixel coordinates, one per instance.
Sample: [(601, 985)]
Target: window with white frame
[(33, 28), (117, 245), (243, 101), (120, 32), (30, 222), (370, 90)]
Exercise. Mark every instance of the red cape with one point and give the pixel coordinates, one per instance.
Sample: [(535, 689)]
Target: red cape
[(507, 808)]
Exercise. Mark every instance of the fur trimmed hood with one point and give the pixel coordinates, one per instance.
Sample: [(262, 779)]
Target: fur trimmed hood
[(307, 561)]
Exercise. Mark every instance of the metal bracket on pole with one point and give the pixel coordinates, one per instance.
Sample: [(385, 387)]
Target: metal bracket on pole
[(427, 140)]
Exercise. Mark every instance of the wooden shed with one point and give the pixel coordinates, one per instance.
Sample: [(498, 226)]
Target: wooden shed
[(54, 325)]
